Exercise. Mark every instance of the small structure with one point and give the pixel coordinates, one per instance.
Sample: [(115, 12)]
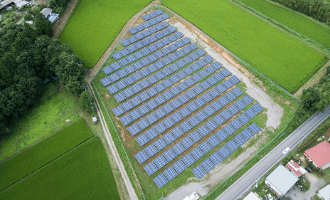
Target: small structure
[(252, 196), (21, 4), (48, 13), (324, 193), (281, 180), (320, 155), (192, 196), (295, 168), (30, 22), (94, 119)]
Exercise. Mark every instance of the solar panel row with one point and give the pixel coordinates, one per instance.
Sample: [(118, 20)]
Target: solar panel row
[(153, 18)]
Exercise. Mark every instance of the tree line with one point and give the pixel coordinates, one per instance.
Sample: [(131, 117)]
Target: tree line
[(28, 57), (317, 9)]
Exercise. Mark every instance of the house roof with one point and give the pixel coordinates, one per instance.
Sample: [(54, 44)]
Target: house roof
[(282, 179), (320, 154), (325, 192), (46, 11), (294, 167), (251, 196)]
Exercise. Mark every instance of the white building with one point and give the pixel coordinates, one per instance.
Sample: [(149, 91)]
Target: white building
[(281, 180), (252, 196), (48, 13), (324, 193)]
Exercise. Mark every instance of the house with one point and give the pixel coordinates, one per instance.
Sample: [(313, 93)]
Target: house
[(252, 196), (192, 196), (48, 13), (324, 193), (21, 4), (281, 180), (320, 155), (295, 168)]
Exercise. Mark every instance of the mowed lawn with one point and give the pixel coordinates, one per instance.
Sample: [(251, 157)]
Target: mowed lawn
[(93, 26), (83, 173), (44, 152), (276, 54), (55, 106), (293, 20)]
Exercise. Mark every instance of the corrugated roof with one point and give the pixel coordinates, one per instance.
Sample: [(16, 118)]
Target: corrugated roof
[(294, 167), (282, 179), (320, 154)]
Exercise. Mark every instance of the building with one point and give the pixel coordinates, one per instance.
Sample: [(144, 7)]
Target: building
[(324, 193), (252, 196), (281, 180), (192, 196), (319, 155), (21, 4), (48, 13), (295, 168)]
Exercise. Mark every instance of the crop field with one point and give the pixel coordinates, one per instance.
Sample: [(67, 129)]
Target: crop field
[(93, 26), (49, 115), (297, 22), (282, 58), (44, 152), (179, 112), (83, 173)]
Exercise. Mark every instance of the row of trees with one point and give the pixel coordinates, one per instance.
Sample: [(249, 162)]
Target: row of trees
[(28, 57), (58, 6), (317, 9), (317, 98)]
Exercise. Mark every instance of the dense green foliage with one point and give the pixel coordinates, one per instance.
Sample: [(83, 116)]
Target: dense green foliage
[(293, 20), (43, 25), (82, 173), (58, 6), (318, 9), (27, 59), (44, 152), (276, 54), (93, 26), (86, 101)]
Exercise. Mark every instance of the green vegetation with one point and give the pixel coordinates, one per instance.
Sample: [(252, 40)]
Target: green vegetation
[(82, 173), (93, 26), (54, 107), (44, 152), (293, 20), (276, 54)]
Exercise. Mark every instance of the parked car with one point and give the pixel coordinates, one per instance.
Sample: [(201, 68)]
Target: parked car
[(310, 170), (286, 150)]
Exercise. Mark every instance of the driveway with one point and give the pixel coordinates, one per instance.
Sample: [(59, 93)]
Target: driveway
[(316, 184)]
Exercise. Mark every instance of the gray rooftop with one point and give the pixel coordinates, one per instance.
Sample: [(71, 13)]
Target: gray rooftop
[(325, 192), (282, 179)]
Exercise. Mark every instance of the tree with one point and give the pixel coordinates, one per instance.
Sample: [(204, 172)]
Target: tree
[(310, 97), (43, 26), (86, 101)]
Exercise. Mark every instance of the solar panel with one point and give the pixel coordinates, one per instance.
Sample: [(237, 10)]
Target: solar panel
[(257, 108), (178, 148), (192, 107), (136, 88), (137, 65), (152, 47), (201, 62), (143, 123), (239, 139), (193, 46), (189, 81), (227, 83), (152, 29), (232, 146), (143, 109), (237, 91), (225, 72), (203, 73), (138, 55), (168, 108), (160, 144), (151, 118), (141, 157), (184, 111), (216, 106), (166, 71), (160, 161), (118, 111), (200, 52), (210, 69), (198, 171), (126, 120), (115, 66), (151, 133), (144, 83), (142, 139), (182, 86), (168, 122), (152, 92), (144, 96), (160, 128), (170, 173), (197, 153), (221, 88), (160, 181), (185, 126), (160, 113), (180, 53), (188, 159), (146, 17), (166, 50), (187, 142), (233, 109), (137, 76), (254, 128), (177, 132), (160, 87), (221, 135), (207, 97), (117, 55), (195, 136), (240, 104), (211, 125), (165, 24), (146, 33), (229, 129), (226, 114), (207, 165), (178, 35), (151, 150), (171, 29), (218, 120), (152, 103), (169, 155), (159, 99), (205, 147), (243, 118), (107, 70), (173, 57), (127, 106), (128, 92), (193, 121), (201, 115), (215, 158), (205, 85), (134, 129), (224, 152), (212, 81), (247, 100), (250, 113), (174, 78), (189, 71), (223, 101), (247, 133), (113, 89), (234, 79), (185, 49), (199, 102), (236, 124), (179, 166), (196, 77), (169, 138), (133, 30), (194, 56), (135, 114), (187, 59)]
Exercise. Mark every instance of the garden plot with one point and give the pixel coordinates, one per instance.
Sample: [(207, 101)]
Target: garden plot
[(180, 112)]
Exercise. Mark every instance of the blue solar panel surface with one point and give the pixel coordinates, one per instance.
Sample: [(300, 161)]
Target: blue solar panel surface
[(198, 171)]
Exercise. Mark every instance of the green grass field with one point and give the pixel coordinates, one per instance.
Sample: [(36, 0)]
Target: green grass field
[(282, 58), (293, 20), (51, 113), (93, 26), (44, 152), (83, 173)]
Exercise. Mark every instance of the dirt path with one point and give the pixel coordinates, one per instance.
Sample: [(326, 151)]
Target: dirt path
[(60, 23)]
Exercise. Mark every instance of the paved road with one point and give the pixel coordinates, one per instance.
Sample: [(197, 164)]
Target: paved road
[(114, 152), (242, 185)]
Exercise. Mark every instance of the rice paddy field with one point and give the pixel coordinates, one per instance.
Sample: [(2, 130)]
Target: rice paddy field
[(93, 26), (83, 173), (293, 20), (282, 58), (44, 152)]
